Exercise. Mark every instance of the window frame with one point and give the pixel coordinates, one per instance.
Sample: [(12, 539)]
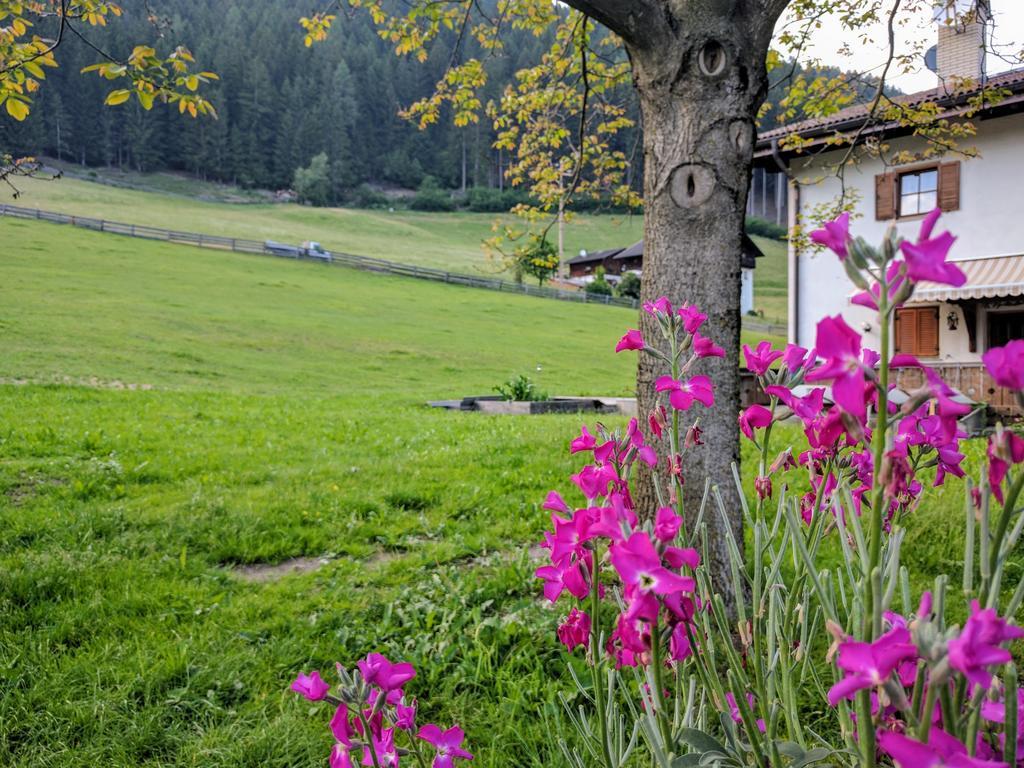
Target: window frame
[(916, 170)]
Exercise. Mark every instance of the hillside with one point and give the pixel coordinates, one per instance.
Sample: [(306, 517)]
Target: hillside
[(451, 241), (184, 317)]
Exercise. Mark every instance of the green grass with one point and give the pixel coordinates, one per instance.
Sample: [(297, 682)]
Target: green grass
[(442, 240), (285, 419), (450, 241), (282, 418)]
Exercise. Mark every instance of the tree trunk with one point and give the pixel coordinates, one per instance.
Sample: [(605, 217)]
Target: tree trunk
[(700, 87)]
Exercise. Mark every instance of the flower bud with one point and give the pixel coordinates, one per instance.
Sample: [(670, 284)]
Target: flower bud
[(693, 437)]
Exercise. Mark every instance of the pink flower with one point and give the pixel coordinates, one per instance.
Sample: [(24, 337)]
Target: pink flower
[(378, 671), (636, 439), (677, 557), (585, 442), (569, 536), (1006, 364), (566, 578), (734, 709), (705, 347), (405, 715), (761, 359), (639, 566), (839, 344), (755, 417), (763, 487), (684, 393), (794, 358), (555, 503), (894, 276), (632, 340), (311, 686), (926, 259), (995, 712), (806, 408), (383, 745), (941, 751), (593, 481), (834, 235), (979, 645), (869, 665), (693, 318), (666, 524), (447, 743), (341, 756), (1004, 450), (658, 306), (575, 630)]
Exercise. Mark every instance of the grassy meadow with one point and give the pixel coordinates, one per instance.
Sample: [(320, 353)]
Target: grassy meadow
[(449, 241), (171, 418)]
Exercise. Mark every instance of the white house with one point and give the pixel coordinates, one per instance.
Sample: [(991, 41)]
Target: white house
[(983, 202)]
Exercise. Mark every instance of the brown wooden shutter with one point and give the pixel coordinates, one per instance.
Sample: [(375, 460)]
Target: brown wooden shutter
[(885, 196), (916, 331), (949, 186), (905, 331), (928, 332)]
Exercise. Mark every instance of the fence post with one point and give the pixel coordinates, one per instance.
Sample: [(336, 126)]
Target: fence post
[(133, 230), (233, 244)]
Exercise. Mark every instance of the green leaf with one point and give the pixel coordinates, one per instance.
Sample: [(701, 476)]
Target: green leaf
[(813, 756), (790, 749), (690, 760), (700, 741)]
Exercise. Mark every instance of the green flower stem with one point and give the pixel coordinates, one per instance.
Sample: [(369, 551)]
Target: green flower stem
[(1011, 724), (368, 732), (924, 725), (596, 655), (865, 734), (872, 614), (657, 699), (1002, 525)]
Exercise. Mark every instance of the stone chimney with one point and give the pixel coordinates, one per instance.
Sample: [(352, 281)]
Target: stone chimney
[(961, 49)]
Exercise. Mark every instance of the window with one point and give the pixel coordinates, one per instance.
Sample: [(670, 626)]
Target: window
[(915, 192), (917, 331), (918, 191), (1004, 327)]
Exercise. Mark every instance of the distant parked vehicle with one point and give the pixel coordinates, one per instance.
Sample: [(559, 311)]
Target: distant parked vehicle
[(281, 249), (314, 250), (308, 250)]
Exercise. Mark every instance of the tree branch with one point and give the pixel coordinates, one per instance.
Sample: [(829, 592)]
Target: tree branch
[(635, 21)]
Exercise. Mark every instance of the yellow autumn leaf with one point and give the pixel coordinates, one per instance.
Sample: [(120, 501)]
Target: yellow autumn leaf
[(17, 109), (119, 96)]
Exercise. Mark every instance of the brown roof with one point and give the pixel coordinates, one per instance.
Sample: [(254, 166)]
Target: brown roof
[(853, 117)]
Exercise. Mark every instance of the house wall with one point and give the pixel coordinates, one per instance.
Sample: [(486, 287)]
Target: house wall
[(988, 223), (746, 291)]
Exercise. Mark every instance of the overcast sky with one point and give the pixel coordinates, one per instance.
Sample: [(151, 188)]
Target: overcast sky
[(1008, 16)]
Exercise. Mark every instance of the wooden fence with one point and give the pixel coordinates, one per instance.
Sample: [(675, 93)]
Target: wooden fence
[(969, 378), (366, 263)]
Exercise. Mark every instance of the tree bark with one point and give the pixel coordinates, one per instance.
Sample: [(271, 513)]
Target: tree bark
[(699, 95)]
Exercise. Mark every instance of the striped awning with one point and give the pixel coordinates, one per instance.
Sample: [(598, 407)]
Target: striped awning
[(986, 279)]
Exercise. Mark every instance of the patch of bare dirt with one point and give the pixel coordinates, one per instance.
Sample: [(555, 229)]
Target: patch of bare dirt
[(261, 573), (92, 382), (28, 486)]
